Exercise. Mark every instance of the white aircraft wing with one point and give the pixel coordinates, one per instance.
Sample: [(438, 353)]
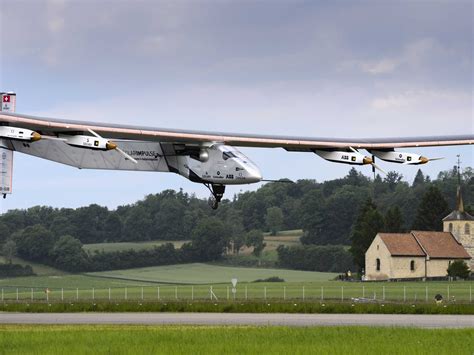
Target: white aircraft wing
[(53, 127)]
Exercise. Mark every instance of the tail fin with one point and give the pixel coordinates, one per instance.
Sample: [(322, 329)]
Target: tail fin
[(8, 101)]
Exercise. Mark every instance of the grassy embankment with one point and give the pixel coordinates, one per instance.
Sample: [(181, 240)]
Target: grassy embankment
[(111, 247), (84, 339), (236, 307), (269, 256)]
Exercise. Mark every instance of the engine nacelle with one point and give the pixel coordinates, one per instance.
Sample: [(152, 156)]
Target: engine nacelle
[(400, 157), (20, 134), (353, 158), (88, 142), (203, 155)]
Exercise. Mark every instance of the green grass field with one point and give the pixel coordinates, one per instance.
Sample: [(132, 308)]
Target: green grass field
[(193, 281), (84, 339), (111, 247), (197, 273)]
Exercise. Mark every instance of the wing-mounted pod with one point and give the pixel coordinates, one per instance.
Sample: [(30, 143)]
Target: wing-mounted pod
[(88, 142), (350, 156), (406, 158), (20, 134)]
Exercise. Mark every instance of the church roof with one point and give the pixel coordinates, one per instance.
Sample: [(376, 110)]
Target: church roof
[(401, 244), (440, 245), (421, 243), (458, 216)]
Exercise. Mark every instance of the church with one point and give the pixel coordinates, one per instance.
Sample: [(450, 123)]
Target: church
[(461, 224), (422, 254)]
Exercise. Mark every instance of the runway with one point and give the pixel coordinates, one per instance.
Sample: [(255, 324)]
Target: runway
[(257, 319)]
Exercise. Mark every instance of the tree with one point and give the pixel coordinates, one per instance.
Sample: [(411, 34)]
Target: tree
[(255, 239), (210, 238), (274, 219), (4, 232), (392, 179), (431, 211), (393, 220), (236, 228), (67, 254), (459, 269), (34, 242), (368, 223), (419, 179), (9, 250)]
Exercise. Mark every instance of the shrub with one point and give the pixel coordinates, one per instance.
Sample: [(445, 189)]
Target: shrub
[(15, 270)]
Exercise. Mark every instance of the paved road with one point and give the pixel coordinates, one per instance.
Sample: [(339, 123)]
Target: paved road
[(421, 321)]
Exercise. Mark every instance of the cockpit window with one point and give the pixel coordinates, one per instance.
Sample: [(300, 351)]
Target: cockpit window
[(227, 155)]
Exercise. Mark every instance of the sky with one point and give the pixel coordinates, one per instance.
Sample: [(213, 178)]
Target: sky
[(305, 68)]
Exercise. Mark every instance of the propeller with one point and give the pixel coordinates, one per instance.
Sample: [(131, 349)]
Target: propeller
[(424, 160), (373, 167), (287, 181), (112, 145), (370, 161)]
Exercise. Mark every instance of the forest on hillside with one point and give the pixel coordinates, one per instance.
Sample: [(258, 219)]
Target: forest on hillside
[(345, 211), (325, 211)]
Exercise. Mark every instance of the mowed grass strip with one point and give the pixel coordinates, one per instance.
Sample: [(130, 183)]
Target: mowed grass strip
[(198, 273), (121, 246), (81, 339)]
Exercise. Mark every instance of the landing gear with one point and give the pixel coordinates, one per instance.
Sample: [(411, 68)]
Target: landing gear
[(217, 192)]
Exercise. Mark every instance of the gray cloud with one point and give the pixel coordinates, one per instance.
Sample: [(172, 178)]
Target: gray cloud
[(346, 69)]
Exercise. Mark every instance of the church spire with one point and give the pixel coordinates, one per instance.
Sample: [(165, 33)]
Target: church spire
[(459, 202)]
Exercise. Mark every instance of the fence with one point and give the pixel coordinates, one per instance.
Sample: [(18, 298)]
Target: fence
[(461, 292)]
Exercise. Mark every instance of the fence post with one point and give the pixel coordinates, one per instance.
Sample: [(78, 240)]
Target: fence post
[(192, 293), (62, 294), (404, 293), (426, 294), (210, 292), (303, 293), (158, 292), (383, 293), (47, 295), (32, 293), (126, 295), (176, 292), (142, 293), (363, 291), (448, 292), (109, 294), (342, 293), (77, 294), (265, 292), (322, 293), (246, 292), (284, 292), (93, 293)]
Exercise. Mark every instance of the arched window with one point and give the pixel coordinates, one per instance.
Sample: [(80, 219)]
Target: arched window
[(377, 264), (467, 229), (412, 265), (450, 227)]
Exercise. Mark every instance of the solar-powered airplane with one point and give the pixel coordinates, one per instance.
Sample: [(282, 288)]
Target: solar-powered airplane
[(208, 158)]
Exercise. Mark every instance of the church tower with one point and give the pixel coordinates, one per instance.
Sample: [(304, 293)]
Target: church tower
[(461, 225)]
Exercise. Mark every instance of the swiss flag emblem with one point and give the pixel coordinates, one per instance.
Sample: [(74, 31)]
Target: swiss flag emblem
[(6, 98)]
